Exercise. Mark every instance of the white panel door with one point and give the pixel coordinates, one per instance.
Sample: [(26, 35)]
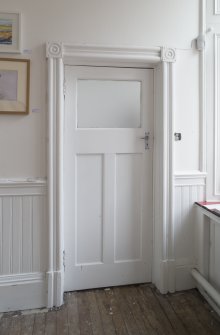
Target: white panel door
[(107, 176)]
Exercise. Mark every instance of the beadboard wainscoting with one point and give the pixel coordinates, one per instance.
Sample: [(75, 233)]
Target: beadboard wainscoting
[(214, 268), (188, 189), (23, 234), (208, 248)]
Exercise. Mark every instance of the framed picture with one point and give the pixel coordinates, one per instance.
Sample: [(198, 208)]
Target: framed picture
[(10, 32), (14, 86)]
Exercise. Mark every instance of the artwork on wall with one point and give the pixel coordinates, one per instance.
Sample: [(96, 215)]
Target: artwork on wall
[(10, 35), (14, 86)]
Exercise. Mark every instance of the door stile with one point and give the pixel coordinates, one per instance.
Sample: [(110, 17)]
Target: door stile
[(109, 208)]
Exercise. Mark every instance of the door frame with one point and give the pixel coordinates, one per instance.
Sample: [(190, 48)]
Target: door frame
[(162, 60)]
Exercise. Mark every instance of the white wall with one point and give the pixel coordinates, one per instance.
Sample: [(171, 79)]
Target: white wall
[(144, 23), (115, 22), (187, 112)]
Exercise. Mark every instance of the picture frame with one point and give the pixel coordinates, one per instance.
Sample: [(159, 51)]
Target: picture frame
[(14, 86), (10, 32)]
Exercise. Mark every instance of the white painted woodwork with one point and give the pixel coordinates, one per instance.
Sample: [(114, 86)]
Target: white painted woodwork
[(217, 7), (164, 258), (89, 56), (164, 273), (89, 211), (207, 246), (186, 194), (55, 250), (214, 269), (188, 189), (23, 235), (22, 226), (51, 131), (107, 186), (217, 117), (209, 292), (129, 207), (213, 102), (206, 272), (22, 291)]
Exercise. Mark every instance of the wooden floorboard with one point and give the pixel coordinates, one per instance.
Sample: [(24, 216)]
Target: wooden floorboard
[(72, 313), (51, 323), (5, 325), (187, 314), (128, 310), (27, 324), (105, 310), (132, 296), (96, 320), (177, 325), (85, 323), (200, 307), (163, 323), (118, 320), (39, 324)]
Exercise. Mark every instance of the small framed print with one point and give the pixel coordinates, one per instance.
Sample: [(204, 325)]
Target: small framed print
[(14, 86), (10, 32)]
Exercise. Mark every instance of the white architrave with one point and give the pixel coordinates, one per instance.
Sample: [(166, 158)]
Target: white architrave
[(168, 177), (162, 59), (55, 170), (164, 262)]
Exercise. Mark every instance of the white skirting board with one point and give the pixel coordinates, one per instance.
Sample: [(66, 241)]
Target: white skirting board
[(184, 280), (22, 291), (176, 277)]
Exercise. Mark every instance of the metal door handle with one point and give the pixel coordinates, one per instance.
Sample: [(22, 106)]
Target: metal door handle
[(146, 139)]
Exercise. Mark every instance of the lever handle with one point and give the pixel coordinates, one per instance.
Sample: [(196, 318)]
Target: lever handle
[(146, 139)]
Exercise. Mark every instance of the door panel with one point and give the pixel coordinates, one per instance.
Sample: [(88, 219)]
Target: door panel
[(89, 222), (107, 176), (128, 207)]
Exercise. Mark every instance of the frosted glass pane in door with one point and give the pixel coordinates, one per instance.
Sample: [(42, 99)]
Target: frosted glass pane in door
[(108, 104)]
